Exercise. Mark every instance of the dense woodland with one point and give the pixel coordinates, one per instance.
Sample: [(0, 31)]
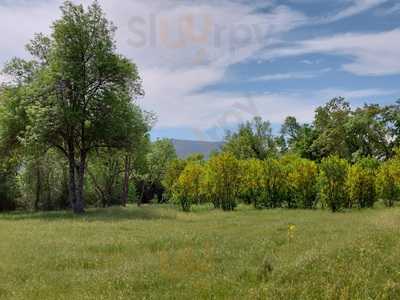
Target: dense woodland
[(72, 135)]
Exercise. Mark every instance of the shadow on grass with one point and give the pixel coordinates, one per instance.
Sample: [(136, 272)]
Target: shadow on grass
[(112, 214)]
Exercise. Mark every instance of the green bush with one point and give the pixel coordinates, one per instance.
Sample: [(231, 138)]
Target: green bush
[(187, 190), (361, 183), (273, 183), (302, 180), (172, 173), (251, 174), (8, 190), (388, 182), (332, 183), (223, 176)]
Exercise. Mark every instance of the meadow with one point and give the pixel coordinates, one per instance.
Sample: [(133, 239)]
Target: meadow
[(158, 252)]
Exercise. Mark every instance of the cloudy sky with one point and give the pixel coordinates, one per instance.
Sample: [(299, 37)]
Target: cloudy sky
[(210, 64)]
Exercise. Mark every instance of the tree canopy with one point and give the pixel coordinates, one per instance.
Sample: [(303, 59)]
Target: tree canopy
[(75, 95)]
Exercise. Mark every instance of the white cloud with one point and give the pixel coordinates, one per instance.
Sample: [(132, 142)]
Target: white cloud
[(356, 7), (19, 21), (4, 78), (234, 32), (363, 94), (371, 53), (202, 111), (175, 76), (292, 75)]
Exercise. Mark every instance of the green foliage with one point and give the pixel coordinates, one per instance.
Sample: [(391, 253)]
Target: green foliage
[(8, 186), (105, 181), (172, 173), (253, 140), (361, 183), (299, 138), (76, 93), (223, 176), (332, 182), (302, 181), (367, 133), (187, 190), (251, 180), (388, 181), (43, 181), (76, 96), (330, 123), (162, 153), (264, 183), (273, 185)]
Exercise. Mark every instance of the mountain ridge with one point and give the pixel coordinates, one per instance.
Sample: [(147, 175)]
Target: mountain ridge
[(185, 148)]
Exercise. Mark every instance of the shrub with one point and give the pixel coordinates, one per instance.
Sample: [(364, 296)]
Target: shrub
[(332, 182), (8, 190), (273, 185), (223, 176), (172, 173), (251, 172), (388, 182), (187, 189), (302, 180), (361, 183)]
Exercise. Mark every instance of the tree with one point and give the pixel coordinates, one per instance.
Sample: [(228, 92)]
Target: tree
[(104, 184), (43, 181), (391, 117), (329, 124), (77, 91), (367, 133), (253, 140), (299, 138), (332, 182), (8, 185), (162, 152), (134, 156)]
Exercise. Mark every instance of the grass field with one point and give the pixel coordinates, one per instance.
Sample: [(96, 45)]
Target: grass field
[(160, 253)]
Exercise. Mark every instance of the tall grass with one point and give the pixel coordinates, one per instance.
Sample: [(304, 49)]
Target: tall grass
[(160, 253)]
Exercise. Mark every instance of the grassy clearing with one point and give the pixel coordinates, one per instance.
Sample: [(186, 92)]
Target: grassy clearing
[(160, 253)]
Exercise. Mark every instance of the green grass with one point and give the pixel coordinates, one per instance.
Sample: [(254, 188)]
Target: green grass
[(160, 253)]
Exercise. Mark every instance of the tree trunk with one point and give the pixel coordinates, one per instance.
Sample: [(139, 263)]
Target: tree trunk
[(80, 201), (125, 187), (38, 186), (72, 182)]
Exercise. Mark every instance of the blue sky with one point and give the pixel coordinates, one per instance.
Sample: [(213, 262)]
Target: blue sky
[(209, 65)]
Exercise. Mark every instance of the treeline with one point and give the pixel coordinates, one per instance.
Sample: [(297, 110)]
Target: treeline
[(72, 136), (345, 158), (285, 182)]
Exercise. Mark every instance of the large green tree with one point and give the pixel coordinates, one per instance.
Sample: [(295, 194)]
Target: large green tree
[(299, 138), (254, 139), (77, 92), (330, 125)]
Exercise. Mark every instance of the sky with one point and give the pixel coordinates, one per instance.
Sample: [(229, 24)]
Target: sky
[(208, 65)]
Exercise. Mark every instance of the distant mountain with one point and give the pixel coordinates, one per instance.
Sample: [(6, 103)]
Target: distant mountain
[(184, 148)]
